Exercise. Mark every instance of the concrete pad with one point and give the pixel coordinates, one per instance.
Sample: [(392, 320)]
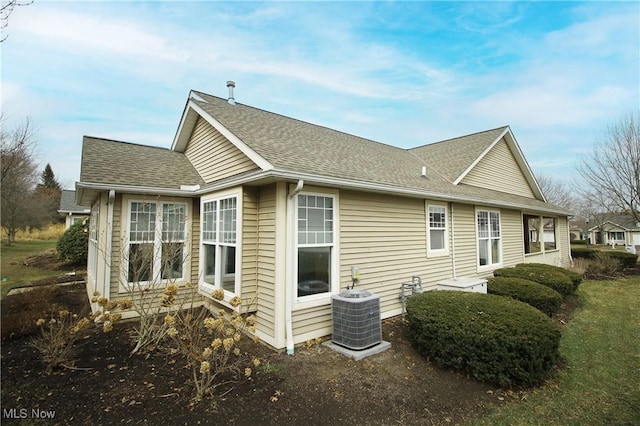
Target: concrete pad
[(358, 355)]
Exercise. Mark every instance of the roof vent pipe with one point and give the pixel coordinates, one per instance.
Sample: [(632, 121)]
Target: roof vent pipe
[(231, 85), (424, 172)]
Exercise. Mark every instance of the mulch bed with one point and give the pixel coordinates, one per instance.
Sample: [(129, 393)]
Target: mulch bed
[(314, 386)]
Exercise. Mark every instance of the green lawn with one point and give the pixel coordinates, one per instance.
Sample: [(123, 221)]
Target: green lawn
[(12, 269), (601, 382)]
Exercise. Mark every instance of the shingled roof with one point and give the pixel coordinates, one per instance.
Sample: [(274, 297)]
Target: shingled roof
[(68, 203), (122, 163), (289, 147)]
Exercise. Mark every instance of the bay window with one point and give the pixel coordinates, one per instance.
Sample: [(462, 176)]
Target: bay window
[(219, 242), (489, 238), (315, 244)]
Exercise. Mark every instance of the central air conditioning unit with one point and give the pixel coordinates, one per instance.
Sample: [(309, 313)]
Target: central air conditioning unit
[(356, 319)]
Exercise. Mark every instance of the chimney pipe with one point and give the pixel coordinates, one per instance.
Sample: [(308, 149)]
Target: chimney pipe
[(231, 85)]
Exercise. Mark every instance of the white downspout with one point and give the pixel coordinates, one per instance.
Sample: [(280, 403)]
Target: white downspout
[(290, 278), (453, 242), (108, 246)]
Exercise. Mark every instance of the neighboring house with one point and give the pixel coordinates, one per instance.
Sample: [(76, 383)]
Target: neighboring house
[(72, 212), (621, 229), (278, 211)]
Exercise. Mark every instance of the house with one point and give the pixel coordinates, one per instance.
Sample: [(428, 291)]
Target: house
[(278, 211), (620, 229), (72, 212)]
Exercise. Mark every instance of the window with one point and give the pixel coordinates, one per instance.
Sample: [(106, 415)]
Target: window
[(549, 233), (616, 235), (156, 241), (489, 241), (437, 229), (219, 235), (315, 251), (531, 225), (92, 254)]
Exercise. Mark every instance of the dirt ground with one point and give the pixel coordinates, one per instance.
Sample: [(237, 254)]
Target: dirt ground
[(316, 386)]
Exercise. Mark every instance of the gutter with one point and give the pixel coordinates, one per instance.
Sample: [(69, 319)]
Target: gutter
[(276, 174), (289, 275)]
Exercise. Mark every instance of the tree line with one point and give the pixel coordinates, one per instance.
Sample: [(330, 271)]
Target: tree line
[(30, 199)]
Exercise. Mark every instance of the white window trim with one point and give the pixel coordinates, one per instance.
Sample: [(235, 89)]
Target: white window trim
[(125, 218), (492, 266), (320, 299), (205, 288), (443, 251)]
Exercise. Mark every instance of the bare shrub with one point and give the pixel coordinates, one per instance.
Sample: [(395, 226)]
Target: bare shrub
[(210, 345)]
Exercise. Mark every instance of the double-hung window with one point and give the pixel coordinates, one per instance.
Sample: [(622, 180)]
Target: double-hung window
[(156, 241), (315, 244), (219, 242), (437, 223), (489, 238)]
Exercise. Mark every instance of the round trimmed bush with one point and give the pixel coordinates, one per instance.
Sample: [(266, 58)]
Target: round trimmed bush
[(627, 260), (575, 277), (537, 295), (556, 280), (493, 338), (582, 252), (74, 243)]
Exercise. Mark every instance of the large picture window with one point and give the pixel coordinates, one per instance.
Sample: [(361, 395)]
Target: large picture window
[(489, 238), (315, 244), (437, 224), (156, 241), (219, 241)]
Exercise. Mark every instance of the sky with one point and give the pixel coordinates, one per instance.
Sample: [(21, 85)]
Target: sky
[(402, 73)]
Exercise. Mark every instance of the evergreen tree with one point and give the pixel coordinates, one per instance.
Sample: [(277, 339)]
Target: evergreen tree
[(48, 180)]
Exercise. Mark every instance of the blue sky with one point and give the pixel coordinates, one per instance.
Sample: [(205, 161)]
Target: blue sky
[(402, 73)]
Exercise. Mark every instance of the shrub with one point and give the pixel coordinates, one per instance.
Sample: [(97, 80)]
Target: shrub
[(537, 295), (56, 342), (600, 267), (556, 280), (575, 277), (580, 242), (493, 338), (627, 260), (582, 252), (74, 243)]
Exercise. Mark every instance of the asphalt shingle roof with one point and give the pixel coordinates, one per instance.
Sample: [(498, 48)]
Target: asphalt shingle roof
[(297, 146), (121, 163), (68, 202)]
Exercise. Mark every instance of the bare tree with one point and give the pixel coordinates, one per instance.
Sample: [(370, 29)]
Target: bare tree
[(557, 192), (612, 170), (18, 176), (6, 9)]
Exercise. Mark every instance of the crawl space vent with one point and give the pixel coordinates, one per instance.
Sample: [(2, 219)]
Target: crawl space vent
[(356, 319)]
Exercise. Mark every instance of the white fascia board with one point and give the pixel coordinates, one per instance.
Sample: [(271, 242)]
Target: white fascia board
[(246, 150), (520, 159), (131, 189), (480, 157), (189, 118)]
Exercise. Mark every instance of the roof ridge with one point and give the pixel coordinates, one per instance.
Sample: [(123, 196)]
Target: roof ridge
[(460, 137), (125, 142), (305, 122)]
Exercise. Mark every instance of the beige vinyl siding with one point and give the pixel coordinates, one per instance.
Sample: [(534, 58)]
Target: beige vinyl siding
[(309, 322), (466, 244), (386, 237), (512, 237), (562, 240), (498, 170), (213, 155), (116, 246), (266, 251), (195, 242), (249, 247)]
